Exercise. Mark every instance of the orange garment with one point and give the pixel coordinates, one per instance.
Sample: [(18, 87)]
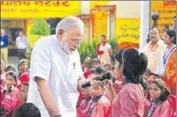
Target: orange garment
[(153, 54), (170, 72)]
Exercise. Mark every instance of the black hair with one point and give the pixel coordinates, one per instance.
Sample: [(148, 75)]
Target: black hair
[(165, 93), (100, 70), (21, 30), (103, 36), (148, 38), (10, 68), (144, 83), (96, 60), (134, 64), (118, 56), (174, 17), (172, 34), (13, 74), (166, 26), (26, 84), (27, 110), (22, 63), (154, 27)]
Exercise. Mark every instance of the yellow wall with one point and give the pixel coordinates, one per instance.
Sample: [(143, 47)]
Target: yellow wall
[(128, 22), (167, 10), (39, 9), (100, 23), (94, 3), (100, 18), (128, 30), (30, 38)]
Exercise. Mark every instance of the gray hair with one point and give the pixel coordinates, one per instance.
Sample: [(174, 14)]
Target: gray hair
[(70, 22)]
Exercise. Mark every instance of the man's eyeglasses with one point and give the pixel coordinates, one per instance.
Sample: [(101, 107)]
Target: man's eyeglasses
[(77, 40)]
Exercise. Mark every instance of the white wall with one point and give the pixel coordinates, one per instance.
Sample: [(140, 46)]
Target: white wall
[(127, 9), (85, 7), (144, 23)]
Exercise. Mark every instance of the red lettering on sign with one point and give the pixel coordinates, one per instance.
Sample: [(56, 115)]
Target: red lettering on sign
[(169, 3), (65, 3), (16, 3), (6, 3), (47, 3), (57, 3), (38, 3), (26, 3)]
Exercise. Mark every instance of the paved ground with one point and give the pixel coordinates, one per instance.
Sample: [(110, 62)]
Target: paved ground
[(13, 60)]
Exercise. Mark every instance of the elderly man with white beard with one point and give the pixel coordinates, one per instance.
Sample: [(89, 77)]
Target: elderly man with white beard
[(56, 71)]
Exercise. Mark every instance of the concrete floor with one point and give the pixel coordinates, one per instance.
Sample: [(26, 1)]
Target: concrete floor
[(13, 60)]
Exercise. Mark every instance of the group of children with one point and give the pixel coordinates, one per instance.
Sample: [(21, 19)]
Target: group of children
[(14, 88), (95, 101)]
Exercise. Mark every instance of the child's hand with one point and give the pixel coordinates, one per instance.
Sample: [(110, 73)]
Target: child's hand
[(95, 84)]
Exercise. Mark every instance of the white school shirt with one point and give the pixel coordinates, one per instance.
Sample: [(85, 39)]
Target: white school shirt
[(62, 71), (21, 42)]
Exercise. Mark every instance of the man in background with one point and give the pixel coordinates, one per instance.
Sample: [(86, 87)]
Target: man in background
[(4, 46), (22, 44)]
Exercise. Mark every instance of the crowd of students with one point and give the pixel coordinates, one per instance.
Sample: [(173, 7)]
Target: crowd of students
[(137, 89), (141, 88), (14, 90)]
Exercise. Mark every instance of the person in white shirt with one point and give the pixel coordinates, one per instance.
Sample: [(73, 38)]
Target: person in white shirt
[(153, 49), (22, 44), (56, 72), (104, 51)]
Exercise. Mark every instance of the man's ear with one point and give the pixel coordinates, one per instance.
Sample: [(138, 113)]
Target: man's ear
[(60, 33)]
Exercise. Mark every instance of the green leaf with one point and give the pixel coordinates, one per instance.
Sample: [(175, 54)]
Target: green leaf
[(40, 28)]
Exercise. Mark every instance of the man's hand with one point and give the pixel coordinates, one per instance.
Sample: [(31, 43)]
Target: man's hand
[(47, 97)]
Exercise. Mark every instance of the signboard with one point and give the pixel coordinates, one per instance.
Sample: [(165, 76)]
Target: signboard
[(128, 30), (39, 9), (166, 10)]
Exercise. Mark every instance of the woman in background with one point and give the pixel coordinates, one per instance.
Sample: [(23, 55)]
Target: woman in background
[(166, 67)]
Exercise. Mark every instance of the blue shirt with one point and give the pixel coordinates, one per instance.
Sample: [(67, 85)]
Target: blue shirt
[(4, 41)]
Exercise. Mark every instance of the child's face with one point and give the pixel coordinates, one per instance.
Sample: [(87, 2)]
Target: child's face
[(95, 91), (10, 81), (85, 93), (154, 91), (146, 75), (95, 64), (24, 66)]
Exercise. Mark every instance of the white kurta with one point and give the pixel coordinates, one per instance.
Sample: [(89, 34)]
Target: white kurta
[(62, 71)]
